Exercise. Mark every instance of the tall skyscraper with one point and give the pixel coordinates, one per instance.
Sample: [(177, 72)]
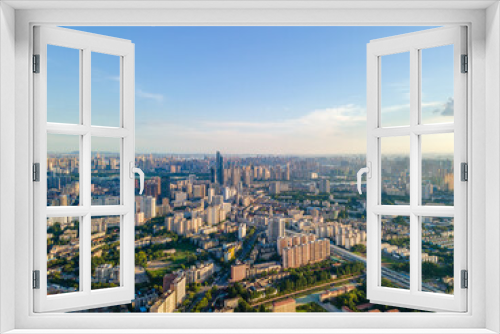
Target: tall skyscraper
[(213, 174), (220, 168), (165, 181)]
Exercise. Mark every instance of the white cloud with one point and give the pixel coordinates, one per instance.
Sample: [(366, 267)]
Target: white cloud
[(322, 131), (114, 78), (146, 95)]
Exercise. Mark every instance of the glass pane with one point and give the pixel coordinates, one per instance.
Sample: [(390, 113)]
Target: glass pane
[(105, 171), (395, 89), (437, 254), (437, 169), (63, 178), (395, 169), (63, 255), (105, 90), (63, 85), (437, 84), (105, 252), (395, 251)]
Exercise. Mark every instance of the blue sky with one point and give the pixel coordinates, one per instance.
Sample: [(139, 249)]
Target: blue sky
[(260, 90)]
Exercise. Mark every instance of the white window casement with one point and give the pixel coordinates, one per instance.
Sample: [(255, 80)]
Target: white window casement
[(472, 27), (83, 133), (380, 137)]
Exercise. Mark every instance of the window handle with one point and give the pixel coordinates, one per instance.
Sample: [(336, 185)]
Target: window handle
[(368, 171), (139, 171)]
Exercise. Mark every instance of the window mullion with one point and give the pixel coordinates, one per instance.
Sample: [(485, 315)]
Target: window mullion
[(85, 170), (414, 166)]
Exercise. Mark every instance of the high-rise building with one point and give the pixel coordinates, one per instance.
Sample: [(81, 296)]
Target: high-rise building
[(242, 231), (166, 182), (217, 200), (176, 283), (199, 191), (324, 186), (213, 215), (235, 176), (227, 193), (275, 229), (219, 160), (166, 304), (149, 207), (427, 193), (179, 286), (302, 251), (247, 177), (274, 188), (211, 194), (213, 174)]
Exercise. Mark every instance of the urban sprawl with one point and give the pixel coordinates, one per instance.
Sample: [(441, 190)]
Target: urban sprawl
[(244, 233)]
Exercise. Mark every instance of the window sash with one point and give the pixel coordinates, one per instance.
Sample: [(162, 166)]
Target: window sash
[(413, 43), (87, 43)]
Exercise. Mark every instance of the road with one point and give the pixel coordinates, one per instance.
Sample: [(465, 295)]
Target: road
[(399, 278), (222, 281)]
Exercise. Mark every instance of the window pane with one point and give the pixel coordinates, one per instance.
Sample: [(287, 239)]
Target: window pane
[(395, 251), (437, 84), (395, 169), (63, 178), (105, 252), (437, 169), (63, 255), (105, 171), (63, 85), (437, 254), (395, 89), (105, 90)]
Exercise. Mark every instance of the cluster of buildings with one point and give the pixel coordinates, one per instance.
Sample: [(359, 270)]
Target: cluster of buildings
[(106, 273), (63, 187), (205, 199), (200, 272), (174, 286), (174, 293)]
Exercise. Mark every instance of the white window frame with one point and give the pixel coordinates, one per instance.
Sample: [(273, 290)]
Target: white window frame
[(484, 49), (413, 44), (86, 44)]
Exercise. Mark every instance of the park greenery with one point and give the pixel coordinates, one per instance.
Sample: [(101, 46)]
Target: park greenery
[(310, 307)]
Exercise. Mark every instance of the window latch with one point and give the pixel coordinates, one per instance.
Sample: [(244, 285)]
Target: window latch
[(368, 171), (132, 171)]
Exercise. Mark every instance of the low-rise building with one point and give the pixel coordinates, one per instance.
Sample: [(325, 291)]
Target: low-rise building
[(200, 273), (284, 306)]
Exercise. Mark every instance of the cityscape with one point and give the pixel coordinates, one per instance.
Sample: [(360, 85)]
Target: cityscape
[(250, 139), (248, 233)]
